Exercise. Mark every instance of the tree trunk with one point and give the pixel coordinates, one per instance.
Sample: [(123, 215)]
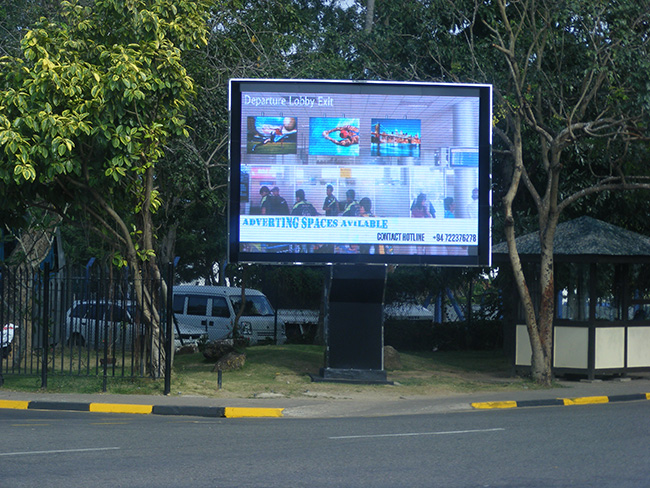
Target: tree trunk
[(540, 365), (547, 298), (146, 274), (370, 15), (242, 305), (538, 332), (168, 244), (32, 247), (323, 312), (147, 288)]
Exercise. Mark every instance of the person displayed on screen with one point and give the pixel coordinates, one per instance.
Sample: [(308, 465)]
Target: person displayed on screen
[(302, 206), (365, 207), (450, 208), (277, 204), (265, 202), (348, 135), (351, 208), (472, 207), (276, 134), (331, 204), (365, 210), (421, 207)]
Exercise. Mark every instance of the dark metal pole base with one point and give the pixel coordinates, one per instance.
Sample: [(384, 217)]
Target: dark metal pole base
[(358, 376)]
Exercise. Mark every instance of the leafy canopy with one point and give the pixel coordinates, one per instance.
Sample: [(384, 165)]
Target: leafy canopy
[(86, 110)]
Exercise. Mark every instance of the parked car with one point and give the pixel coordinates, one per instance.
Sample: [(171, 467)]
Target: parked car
[(89, 322), (210, 311)]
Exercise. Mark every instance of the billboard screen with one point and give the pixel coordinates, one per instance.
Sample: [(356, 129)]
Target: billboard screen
[(359, 172)]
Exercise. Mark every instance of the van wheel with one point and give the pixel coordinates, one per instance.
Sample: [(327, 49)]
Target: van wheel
[(76, 339)]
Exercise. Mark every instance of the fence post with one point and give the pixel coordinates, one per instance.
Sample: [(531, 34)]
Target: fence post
[(45, 323), (275, 318), (102, 325), (169, 329)]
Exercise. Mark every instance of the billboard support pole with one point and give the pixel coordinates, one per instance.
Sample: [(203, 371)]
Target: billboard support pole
[(355, 326)]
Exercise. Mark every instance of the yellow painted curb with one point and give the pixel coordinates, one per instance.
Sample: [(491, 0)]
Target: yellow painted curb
[(15, 404), (647, 396), (120, 408), (485, 405), (234, 412), (585, 400)]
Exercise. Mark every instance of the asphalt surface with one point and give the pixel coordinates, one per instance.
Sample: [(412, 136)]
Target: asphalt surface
[(567, 393)]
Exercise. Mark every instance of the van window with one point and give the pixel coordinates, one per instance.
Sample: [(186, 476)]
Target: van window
[(179, 301), (197, 305), (220, 307), (83, 310), (115, 313), (255, 305)]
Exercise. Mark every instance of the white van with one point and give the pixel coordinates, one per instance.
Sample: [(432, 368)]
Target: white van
[(211, 310)]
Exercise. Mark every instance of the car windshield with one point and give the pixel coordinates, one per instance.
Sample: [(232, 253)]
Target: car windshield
[(255, 305)]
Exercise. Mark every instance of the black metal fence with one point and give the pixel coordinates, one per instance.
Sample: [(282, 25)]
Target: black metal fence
[(102, 323)]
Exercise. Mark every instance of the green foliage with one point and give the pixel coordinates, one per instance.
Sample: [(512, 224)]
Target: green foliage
[(409, 40), (295, 39), (418, 335), (16, 16), (291, 286), (420, 284), (86, 111)]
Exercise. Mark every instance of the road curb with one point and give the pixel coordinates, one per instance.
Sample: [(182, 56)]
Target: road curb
[(194, 411), (561, 401)]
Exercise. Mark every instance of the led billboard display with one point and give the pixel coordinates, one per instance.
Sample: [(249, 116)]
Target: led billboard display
[(359, 172)]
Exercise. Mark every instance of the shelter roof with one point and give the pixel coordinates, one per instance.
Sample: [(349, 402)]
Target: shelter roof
[(582, 237)]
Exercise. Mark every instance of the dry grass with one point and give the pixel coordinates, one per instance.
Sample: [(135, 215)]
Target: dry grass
[(284, 371)]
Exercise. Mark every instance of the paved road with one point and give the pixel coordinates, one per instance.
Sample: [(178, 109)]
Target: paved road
[(580, 446)]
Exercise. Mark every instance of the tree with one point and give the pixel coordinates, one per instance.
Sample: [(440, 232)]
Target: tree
[(293, 39), (85, 114), (570, 105), (404, 40), (571, 99), (16, 16)]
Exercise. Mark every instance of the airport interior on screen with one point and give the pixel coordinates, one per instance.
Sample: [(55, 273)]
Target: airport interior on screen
[(343, 173)]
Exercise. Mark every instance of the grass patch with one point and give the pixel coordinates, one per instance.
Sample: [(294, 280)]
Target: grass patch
[(493, 362), (60, 383), (284, 370)]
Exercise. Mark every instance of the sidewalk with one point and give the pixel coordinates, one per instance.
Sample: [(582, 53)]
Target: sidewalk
[(566, 393)]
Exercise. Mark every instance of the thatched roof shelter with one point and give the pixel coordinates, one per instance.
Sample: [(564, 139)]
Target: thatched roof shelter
[(584, 239)]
